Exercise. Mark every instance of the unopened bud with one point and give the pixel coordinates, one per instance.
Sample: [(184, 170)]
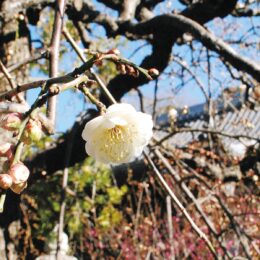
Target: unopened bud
[(113, 51), (6, 181), (172, 114), (121, 68), (153, 72), (19, 173), (11, 122), (6, 150), (18, 188), (256, 93), (185, 110), (32, 132), (130, 70), (99, 63)]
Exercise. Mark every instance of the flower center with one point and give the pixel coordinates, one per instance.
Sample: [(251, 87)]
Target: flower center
[(117, 143), (116, 134)]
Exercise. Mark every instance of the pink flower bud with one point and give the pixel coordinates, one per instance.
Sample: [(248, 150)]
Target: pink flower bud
[(153, 72), (19, 173), (18, 188), (33, 132), (6, 150), (114, 51), (5, 181), (11, 122)]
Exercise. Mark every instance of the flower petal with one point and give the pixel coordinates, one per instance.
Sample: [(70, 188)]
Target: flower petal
[(91, 126), (121, 107)]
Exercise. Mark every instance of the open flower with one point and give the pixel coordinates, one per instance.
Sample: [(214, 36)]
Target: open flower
[(119, 135)]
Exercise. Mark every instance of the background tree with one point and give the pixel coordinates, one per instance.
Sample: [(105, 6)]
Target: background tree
[(201, 47)]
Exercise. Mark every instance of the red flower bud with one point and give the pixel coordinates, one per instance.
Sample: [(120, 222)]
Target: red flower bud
[(32, 132), (19, 173), (113, 51), (11, 122), (6, 150), (153, 72), (6, 181)]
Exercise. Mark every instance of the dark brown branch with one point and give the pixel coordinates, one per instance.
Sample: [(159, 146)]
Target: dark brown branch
[(179, 22), (7, 75), (197, 80), (162, 40), (10, 80), (42, 55), (128, 9)]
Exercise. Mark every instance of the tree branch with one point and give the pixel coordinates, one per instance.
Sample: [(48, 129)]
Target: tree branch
[(208, 131), (208, 39), (54, 53)]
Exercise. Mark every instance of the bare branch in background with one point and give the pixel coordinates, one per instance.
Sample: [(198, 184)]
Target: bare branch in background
[(10, 80), (180, 206), (180, 22)]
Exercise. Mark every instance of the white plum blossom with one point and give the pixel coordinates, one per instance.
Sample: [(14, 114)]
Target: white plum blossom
[(118, 136)]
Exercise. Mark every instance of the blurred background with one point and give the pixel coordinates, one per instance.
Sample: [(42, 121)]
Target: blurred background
[(205, 106)]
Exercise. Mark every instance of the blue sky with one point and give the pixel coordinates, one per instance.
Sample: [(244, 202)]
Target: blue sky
[(71, 104)]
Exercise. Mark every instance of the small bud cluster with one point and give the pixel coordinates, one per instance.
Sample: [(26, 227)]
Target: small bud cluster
[(15, 178), (131, 70), (114, 51), (10, 122), (33, 132), (127, 69), (15, 174)]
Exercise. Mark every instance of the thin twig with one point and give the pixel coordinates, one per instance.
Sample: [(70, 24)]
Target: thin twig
[(180, 206), (141, 99), (7, 75), (54, 53), (203, 130), (18, 65), (187, 191), (197, 80), (155, 98), (82, 57), (170, 226), (10, 80), (64, 191), (94, 100), (235, 225), (55, 80)]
